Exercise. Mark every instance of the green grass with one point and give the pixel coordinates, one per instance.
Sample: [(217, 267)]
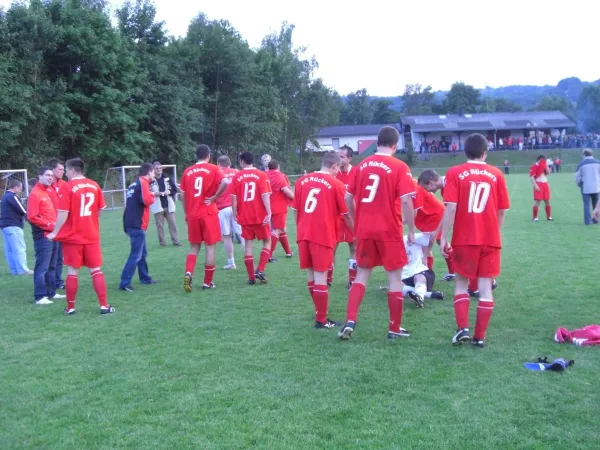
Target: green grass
[(242, 367)]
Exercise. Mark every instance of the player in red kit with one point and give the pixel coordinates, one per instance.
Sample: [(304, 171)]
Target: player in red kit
[(344, 233), (541, 188), (78, 229), (252, 208), (201, 185), (379, 185), (281, 197), (318, 204), (476, 201)]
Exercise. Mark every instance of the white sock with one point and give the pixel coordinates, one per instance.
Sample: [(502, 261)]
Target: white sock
[(352, 264), (231, 262), (407, 289), (421, 290), (427, 295)]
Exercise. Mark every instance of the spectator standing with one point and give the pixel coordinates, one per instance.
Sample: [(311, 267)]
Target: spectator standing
[(587, 178), (557, 163), (506, 166), (165, 189), (58, 172), (12, 219)]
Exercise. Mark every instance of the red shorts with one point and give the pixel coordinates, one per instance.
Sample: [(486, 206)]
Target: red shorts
[(390, 255), (476, 261), (205, 229), (279, 221), (256, 231), (543, 194), (314, 256), (344, 234), (82, 255)]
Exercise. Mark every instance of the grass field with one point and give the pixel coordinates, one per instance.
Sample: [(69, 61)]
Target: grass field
[(241, 366)]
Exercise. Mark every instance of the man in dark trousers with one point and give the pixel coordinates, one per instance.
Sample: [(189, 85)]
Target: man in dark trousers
[(11, 222), (135, 222)]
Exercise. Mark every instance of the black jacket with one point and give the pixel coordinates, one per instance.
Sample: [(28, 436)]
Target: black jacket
[(12, 212)]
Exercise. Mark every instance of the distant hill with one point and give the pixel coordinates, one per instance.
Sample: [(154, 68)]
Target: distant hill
[(526, 96)]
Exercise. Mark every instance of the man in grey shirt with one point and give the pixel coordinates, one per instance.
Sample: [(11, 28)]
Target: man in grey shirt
[(588, 179)]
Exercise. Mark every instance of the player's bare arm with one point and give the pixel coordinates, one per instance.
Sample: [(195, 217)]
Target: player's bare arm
[(349, 222), (266, 199), (501, 215), (447, 223), (349, 199), (408, 212), (535, 185), (288, 192), (183, 202), (234, 205), (222, 187), (60, 221), (596, 212)]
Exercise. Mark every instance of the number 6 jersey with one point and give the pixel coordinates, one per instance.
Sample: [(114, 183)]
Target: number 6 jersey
[(82, 198), (319, 203), (377, 185), (479, 192)]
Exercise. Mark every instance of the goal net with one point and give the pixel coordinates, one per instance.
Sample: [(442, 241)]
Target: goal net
[(118, 180), (6, 176)]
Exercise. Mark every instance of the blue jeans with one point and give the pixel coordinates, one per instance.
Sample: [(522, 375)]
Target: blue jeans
[(589, 199), (137, 258), (14, 249), (44, 273), (59, 268)]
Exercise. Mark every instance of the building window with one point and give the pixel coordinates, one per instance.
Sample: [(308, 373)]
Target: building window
[(335, 142)]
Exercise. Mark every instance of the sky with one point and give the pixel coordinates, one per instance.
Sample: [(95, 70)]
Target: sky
[(384, 45)]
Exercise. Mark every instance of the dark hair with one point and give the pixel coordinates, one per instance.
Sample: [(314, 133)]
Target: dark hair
[(224, 161), (427, 176), (349, 151), (273, 164), (203, 152), (145, 169), (539, 158), (475, 146), (42, 170), (247, 158), (76, 164), (53, 163), (388, 137), (14, 183), (588, 152), (331, 158)]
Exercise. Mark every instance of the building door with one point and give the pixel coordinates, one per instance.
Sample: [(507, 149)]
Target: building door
[(335, 142)]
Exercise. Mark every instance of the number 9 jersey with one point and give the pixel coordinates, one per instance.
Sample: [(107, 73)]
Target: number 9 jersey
[(479, 192)]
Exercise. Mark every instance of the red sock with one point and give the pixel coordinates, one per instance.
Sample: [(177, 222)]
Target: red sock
[(484, 312), (430, 262), (71, 286), (461, 310), (209, 272), (285, 243), (535, 211), (355, 296), (330, 275), (548, 213), (395, 304), (450, 264), (190, 263), (311, 286), (473, 285), (274, 240), (249, 262), (100, 287), (265, 254), (321, 300)]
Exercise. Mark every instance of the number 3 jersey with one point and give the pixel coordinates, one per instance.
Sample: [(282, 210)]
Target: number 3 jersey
[(479, 192), (248, 187), (82, 198), (319, 203), (377, 185)]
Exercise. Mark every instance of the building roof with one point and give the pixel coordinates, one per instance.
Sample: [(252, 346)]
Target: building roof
[(352, 130), (488, 121)]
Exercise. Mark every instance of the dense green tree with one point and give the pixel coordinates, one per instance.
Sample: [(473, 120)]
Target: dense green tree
[(358, 109), (383, 112), (462, 98), (417, 100), (588, 110)]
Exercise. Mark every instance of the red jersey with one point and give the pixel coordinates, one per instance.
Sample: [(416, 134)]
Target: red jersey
[(344, 177), (82, 198), (319, 202), (377, 185), (279, 201), (200, 182), (40, 210), (248, 187), (479, 192), (53, 191), (538, 169), (429, 211), (224, 201)]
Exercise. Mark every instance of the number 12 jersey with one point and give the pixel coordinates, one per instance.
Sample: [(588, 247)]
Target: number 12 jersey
[(479, 192)]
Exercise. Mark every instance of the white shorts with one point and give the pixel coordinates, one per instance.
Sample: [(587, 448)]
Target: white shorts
[(228, 222)]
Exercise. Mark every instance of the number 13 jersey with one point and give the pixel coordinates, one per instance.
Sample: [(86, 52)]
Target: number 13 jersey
[(377, 185), (248, 187), (319, 203), (82, 198), (479, 192)]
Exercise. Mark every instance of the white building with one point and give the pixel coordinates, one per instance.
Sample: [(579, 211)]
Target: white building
[(361, 138)]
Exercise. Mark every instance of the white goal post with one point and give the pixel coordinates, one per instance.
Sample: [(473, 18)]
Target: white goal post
[(6, 176), (118, 179)]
